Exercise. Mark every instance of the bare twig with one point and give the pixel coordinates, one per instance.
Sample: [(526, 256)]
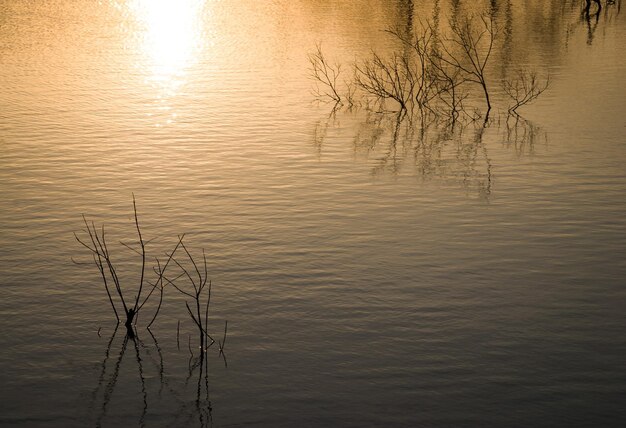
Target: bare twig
[(325, 75), (524, 88), (198, 283), (99, 249), (469, 48)]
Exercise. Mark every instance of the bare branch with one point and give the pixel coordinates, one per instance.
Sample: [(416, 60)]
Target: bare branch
[(524, 88), (324, 74)]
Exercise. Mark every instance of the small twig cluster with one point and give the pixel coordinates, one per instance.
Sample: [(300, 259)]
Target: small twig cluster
[(386, 78), (98, 246), (192, 282), (326, 74), (469, 50), (189, 270), (525, 88)]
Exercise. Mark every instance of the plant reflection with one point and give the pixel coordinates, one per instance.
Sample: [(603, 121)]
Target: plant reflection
[(522, 135), (191, 407), (395, 144), (591, 18), (321, 130)]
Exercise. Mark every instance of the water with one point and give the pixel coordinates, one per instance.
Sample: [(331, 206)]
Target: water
[(473, 279)]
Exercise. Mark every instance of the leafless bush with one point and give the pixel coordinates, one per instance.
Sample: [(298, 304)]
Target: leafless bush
[(418, 65), (524, 88), (390, 78), (468, 50), (437, 84), (325, 74), (192, 282), (431, 75), (426, 76), (96, 242)]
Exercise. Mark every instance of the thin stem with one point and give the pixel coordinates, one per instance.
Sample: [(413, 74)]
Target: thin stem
[(143, 254)]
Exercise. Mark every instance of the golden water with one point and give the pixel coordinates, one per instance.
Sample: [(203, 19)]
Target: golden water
[(470, 279)]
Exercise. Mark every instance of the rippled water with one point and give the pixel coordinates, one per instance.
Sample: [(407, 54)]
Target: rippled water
[(472, 278)]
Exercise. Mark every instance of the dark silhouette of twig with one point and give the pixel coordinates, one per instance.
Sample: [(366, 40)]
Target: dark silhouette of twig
[(325, 75), (524, 88), (98, 246), (198, 279), (471, 49), (159, 282)]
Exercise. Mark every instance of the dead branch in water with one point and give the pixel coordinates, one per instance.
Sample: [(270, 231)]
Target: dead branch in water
[(96, 243), (524, 88), (196, 279), (325, 74)]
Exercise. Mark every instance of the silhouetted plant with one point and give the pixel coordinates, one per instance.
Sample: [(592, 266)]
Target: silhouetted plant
[(431, 75), (426, 76), (325, 74), (390, 78), (436, 84), (419, 69), (196, 279), (98, 246), (524, 88), (469, 49)]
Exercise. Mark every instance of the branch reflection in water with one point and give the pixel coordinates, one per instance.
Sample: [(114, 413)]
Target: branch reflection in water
[(192, 407), (395, 144), (591, 17)]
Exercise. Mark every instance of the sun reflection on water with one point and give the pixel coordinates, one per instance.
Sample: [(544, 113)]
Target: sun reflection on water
[(171, 37)]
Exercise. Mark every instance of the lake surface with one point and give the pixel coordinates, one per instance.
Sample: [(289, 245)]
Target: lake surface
[(472, 277)]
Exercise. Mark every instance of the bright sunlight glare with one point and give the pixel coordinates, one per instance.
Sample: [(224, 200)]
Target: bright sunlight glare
[(172, 35)]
